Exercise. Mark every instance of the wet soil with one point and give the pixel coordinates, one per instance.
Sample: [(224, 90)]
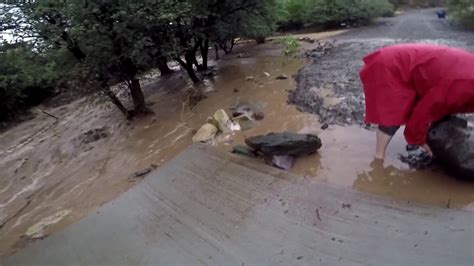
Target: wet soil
[(54, 173)]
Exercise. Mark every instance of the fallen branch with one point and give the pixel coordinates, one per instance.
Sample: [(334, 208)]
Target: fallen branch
[(46, 113)]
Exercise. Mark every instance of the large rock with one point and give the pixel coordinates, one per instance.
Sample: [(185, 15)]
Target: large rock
[(452, 142), (224, 123), (285, 143), (206, 133)]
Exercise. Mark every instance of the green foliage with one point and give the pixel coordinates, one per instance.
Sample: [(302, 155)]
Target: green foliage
[(115, 41), (336, 12), (332, 13), (462, 11), (290, 45), (26, 78)]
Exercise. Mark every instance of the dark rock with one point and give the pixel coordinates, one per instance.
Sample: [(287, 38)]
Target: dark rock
[(259, 116), (236, 90), (93, 135), (244, 150), (142, 172), (281, 77), (324, 126), (452, 142), (285, 143), (283, 162)]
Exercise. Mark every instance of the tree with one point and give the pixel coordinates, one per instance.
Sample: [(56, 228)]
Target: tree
[(462, 11)]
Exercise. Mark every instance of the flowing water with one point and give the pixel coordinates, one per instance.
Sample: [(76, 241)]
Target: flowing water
[(50, 177)]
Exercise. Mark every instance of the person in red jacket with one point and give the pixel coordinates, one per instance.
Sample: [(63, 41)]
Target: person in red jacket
[(415, 85)]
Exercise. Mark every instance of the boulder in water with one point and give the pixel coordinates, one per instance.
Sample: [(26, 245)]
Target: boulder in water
[(205, 133), (285, 143), (452, 142), (224, 123)]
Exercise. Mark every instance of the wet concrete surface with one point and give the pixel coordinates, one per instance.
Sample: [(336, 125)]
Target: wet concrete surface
[(212, 208), (49, 179)]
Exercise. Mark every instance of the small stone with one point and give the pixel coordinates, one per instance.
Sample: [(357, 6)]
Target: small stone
[(266, 74), (259, 116), (299, 258), (324, 126), (236, 90), (283, 162), (346, 206), (249, 78)]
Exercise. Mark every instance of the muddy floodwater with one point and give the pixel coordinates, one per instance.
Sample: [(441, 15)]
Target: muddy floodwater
[(54, 173)]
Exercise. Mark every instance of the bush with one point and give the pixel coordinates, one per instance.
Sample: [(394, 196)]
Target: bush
[(26, 79), (290, 45), (333, 13), (462, 11)]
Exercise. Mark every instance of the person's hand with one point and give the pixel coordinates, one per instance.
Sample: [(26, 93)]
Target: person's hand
[(419, 157), (427, 149)]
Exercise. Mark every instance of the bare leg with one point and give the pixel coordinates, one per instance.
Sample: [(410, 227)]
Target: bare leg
[(382, 142)]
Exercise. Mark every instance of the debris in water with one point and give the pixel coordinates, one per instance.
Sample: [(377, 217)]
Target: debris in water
[(249, 78), (346, 205), (299, 258), (206, 133), (449, 204), (92, 135), (236, 90), (306, 39), (284, 162), (37, 230), (317, 214), (282, 77), (266, 74)]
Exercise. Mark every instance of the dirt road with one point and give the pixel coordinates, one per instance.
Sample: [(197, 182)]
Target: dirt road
[(337, 71)]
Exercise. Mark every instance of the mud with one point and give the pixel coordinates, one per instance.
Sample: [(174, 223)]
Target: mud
[(47, 181)]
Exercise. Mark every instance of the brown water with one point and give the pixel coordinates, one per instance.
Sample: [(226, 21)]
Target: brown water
[(48, 179)]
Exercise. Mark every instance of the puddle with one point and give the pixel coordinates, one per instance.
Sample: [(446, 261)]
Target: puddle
[(46, 171)]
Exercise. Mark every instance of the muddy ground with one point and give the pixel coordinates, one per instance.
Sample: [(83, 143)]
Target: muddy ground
[(335, 73), (53, 173)]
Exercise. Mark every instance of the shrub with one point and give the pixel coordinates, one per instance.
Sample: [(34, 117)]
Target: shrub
[(26, 79), (462, 11), (333, 13)]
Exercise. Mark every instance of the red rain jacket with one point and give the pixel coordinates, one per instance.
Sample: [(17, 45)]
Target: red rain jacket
[(415, 85)]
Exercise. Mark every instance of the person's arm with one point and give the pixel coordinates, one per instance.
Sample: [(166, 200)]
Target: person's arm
[(432, 107)]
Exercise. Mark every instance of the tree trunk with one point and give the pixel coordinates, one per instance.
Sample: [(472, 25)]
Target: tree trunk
[(189, 68), (204, 53), (138, 97), (116, 101), (260, 40), (163, 66), (216, 50), (232, 43)]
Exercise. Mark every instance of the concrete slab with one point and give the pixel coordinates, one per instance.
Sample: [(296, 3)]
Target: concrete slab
[(213, 208)]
